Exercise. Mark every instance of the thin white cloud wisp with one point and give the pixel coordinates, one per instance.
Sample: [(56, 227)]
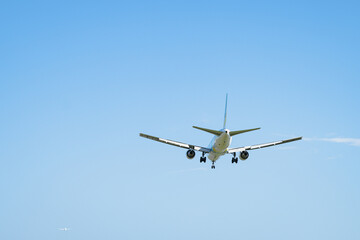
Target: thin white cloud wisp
[(350, 141)]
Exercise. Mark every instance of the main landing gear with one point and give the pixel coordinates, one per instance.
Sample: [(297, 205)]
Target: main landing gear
[(234, 159), (203, 158)]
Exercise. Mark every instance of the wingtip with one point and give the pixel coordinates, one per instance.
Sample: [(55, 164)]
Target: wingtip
[(292, 139), (298, 138)]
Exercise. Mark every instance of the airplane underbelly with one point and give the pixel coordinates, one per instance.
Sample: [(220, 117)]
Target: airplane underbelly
[(213, 156), (219, 148)]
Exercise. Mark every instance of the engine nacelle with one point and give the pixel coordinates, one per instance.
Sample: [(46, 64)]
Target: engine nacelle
[(244, 155), (190, 154)]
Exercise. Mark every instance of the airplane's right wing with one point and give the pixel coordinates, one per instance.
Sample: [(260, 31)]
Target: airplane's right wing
[(253, 147), (177, 144)]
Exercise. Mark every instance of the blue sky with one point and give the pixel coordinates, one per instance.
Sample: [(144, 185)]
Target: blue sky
[(80, 80)]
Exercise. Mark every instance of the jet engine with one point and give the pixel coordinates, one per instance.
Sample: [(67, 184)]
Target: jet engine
[(190, 154), (244, 155)]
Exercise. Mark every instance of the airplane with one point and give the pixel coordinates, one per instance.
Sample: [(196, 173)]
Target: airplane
[(64, 229), (219, 144)]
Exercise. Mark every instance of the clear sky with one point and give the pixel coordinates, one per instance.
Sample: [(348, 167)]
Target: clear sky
[(80, 79)]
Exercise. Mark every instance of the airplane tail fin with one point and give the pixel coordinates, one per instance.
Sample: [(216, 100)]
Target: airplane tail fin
[(216, 132), (225, 111)]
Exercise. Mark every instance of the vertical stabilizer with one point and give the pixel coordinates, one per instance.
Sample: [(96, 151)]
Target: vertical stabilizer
[(225, 111)]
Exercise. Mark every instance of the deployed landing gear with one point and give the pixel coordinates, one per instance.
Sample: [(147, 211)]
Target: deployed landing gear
[(213, 166), (203, 158), (234, 159)]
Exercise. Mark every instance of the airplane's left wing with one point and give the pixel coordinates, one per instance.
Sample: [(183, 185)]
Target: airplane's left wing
[(253, 147), (177, 144)]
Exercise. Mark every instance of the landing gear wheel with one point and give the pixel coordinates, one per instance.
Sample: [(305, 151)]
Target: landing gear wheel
[(234, 159), (213, 166), (202, 159)]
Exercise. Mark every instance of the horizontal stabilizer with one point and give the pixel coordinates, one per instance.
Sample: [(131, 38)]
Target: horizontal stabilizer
[(215, 132), (232, 133)]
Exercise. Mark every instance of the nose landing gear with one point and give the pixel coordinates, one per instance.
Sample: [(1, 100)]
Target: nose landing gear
[(213, 165)]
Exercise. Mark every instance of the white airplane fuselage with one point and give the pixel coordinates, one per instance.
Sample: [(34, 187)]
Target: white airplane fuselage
[(219, 145)]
